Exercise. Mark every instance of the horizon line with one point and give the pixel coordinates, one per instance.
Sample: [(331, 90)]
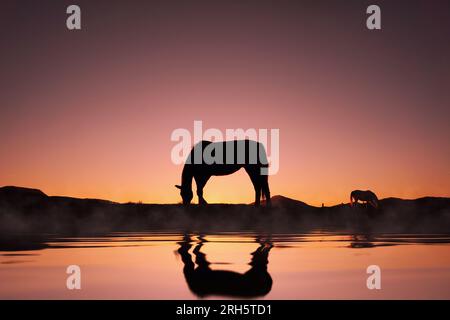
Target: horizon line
[(215, 203)]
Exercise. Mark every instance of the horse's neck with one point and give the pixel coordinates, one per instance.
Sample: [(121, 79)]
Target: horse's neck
[(186, 177)]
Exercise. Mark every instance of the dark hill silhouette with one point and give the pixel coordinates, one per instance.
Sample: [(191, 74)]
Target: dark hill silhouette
[(285, 202), (18, 194), (23, 209)]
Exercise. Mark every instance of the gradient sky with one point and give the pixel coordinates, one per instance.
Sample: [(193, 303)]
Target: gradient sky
[(89, 113)]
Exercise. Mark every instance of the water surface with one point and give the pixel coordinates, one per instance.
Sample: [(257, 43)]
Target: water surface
[(173, 265)]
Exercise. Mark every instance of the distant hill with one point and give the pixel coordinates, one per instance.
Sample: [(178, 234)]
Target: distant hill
[(9, 191), (285, 202), (19, 196), (16, 195), (31, 210)]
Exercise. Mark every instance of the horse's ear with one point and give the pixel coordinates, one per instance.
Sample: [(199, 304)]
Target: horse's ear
[(179, 187)]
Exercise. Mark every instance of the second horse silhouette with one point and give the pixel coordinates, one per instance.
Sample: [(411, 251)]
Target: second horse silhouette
[(366, 196), (208, 159)]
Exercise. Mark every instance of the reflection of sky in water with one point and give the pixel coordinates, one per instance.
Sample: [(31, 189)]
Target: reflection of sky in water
[(153, 265)]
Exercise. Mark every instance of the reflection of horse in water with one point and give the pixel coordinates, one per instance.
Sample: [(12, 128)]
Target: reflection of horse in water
[(209, 159), (367, 240), (365, 196), (203, 281)]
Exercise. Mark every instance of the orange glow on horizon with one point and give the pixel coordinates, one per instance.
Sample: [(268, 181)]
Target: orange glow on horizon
[(353, 111)]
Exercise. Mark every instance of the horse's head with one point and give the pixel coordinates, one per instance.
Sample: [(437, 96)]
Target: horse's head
[(186, 194)]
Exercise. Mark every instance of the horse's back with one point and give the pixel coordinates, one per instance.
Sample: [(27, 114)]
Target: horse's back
[(363, 194), (230, 283), (228, 153)]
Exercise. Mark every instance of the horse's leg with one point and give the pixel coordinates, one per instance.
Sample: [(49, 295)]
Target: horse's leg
[(257, 187), (374, 203), (200, 257), (201, 181), (189, 265), (254, 177), (265, 188)]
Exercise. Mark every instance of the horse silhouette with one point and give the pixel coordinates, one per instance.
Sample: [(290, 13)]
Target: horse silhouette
[(204, 281), (208, 159), (364, 196)]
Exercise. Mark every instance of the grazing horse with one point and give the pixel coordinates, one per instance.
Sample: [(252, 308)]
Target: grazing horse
[(208, 159), (204, 281), (365, 196)]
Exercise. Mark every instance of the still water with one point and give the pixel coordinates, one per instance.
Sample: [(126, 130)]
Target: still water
[(155, 265)]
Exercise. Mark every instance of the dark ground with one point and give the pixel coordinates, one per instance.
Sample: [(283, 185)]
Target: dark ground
[(30, 210)]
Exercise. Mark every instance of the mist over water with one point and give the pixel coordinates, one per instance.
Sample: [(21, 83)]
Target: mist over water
[(288, 251)]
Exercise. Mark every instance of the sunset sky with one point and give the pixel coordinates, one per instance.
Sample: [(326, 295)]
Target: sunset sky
[(89, 113)]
